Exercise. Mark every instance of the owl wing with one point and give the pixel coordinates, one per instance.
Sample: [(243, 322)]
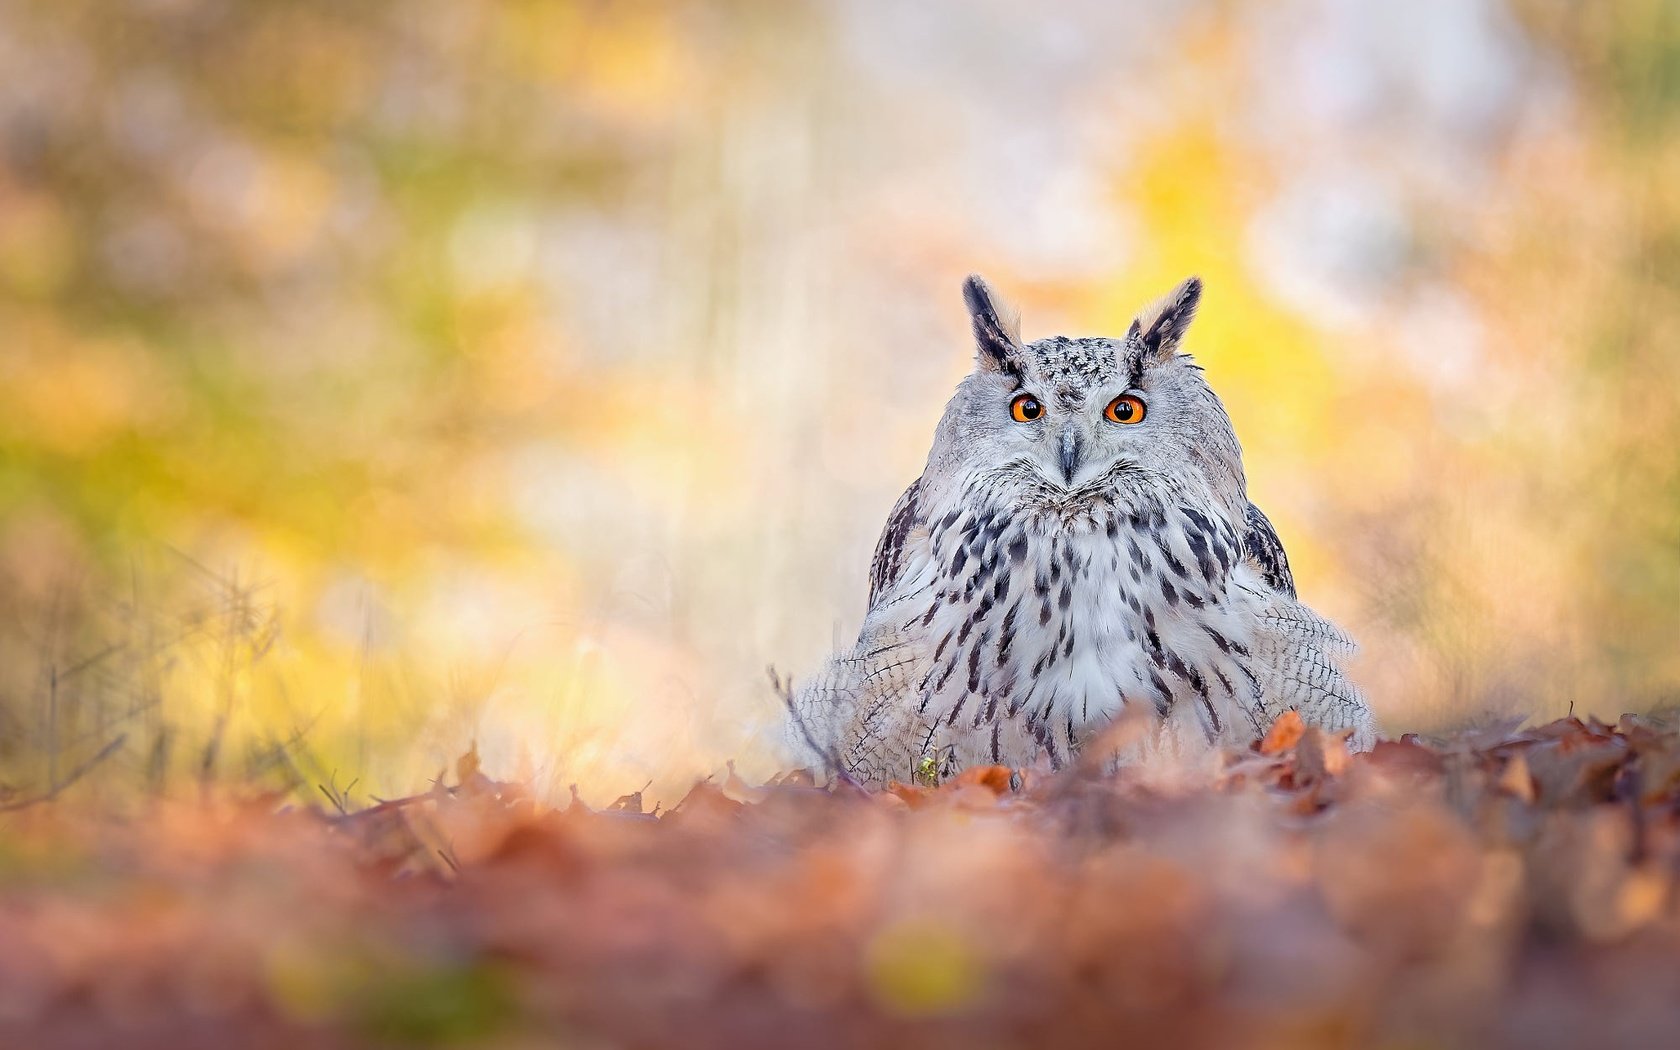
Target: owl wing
[(851, 715), (904, 524), (847, 717), (1300, 656), (1262, 547), (1300, 653)]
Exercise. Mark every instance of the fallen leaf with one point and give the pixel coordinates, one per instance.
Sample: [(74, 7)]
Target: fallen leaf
[(1515, 780), (1284, 734)]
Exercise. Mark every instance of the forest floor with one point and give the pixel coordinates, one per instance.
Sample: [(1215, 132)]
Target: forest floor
[(1503, 888)]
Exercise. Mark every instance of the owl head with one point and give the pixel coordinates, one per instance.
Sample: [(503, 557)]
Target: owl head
[(1090, 415)]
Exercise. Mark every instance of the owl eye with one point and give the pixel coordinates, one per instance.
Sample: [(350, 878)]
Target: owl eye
[(1025, 409), (1127, 408)]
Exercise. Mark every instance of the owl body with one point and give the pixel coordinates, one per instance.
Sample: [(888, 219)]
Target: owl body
[(1079, 542)]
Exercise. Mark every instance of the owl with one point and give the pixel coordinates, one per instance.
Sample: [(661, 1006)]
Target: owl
[(1080, 543)]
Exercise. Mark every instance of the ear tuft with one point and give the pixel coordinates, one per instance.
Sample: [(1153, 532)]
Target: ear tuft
[(997, 331), (1161, 326)]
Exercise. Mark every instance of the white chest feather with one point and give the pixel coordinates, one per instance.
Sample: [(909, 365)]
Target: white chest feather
[(1040, 628)]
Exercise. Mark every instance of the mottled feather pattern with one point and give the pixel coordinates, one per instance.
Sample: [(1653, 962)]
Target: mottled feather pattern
[(1262, 546), (1021, 598), (889, 550)]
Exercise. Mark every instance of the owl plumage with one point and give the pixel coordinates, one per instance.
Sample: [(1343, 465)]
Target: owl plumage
[(1079, 542)]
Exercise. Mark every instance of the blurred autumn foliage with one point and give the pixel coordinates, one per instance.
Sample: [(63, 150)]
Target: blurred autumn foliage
[(380, 380), (1506, 889)]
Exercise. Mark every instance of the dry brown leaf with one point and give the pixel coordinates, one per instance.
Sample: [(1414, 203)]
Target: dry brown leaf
[(1319, 755), (996, 779), (1404, 757), (1284, 734), (1515, 780), (1577, 770), (1092, 907), (912, 795)]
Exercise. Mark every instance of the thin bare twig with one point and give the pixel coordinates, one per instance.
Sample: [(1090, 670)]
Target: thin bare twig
[(76, 774), (333, 799), (386, 806)]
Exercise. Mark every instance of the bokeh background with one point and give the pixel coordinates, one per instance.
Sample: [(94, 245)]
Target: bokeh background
[(379, 378)]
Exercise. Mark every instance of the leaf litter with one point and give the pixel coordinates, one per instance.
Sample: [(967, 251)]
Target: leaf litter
[(1508, 887)]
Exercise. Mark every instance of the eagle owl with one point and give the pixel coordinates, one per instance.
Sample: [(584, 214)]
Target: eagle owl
[(1081, 540)]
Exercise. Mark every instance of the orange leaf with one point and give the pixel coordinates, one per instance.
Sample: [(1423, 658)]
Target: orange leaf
[(994, 778), (911, 795), (1285, 733)]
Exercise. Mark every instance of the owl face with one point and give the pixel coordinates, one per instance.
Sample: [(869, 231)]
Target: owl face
[(1087, 416)]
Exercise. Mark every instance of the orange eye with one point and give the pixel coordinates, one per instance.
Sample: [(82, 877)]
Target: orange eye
[(1127, 408), (1025, 409)]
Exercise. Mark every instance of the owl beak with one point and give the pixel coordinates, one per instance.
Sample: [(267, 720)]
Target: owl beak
[(1073, 454)]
